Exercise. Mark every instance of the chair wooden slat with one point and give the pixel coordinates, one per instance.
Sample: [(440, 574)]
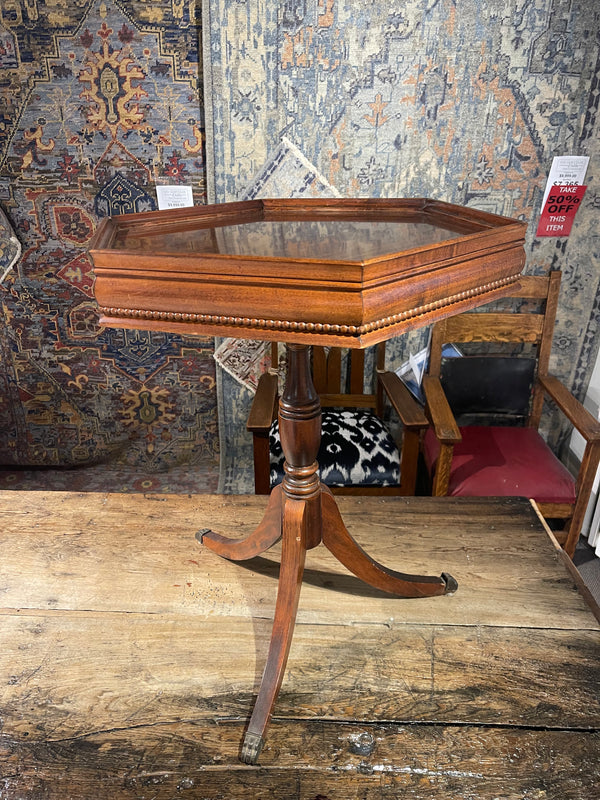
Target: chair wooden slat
[(319, 363), (532, 287), (334, 370), (494, 327), (357, 371), (347, 400)]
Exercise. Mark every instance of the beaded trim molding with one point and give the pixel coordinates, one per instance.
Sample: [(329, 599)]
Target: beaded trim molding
[(308, 327)]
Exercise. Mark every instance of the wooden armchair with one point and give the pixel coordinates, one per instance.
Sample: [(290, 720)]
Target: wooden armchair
[(485, 411), (358, 454)]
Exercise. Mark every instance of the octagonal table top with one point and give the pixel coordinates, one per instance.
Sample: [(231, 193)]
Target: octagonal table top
[(346, 272)]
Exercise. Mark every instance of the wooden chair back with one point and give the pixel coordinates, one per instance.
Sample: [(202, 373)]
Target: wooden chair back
[(340, 377), (531, 321), (344, 379)]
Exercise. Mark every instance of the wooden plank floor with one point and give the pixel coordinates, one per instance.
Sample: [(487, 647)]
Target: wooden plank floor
[(131, 657)]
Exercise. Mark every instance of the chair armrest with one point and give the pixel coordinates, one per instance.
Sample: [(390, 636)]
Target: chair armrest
[(589, 428), (442, 418), (264, 406), (407, 408), (575, 412)]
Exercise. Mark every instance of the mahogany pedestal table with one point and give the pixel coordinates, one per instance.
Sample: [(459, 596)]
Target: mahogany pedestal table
[(345, 273)]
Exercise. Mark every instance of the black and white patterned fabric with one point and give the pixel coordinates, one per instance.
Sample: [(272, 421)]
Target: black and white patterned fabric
[(356, 450)]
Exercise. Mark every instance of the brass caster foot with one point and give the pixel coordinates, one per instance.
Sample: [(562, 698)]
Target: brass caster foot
[(451, 583), (201, 534), (253, 744)]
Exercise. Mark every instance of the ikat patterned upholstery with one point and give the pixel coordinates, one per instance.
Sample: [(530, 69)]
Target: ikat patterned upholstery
[(356, 450)]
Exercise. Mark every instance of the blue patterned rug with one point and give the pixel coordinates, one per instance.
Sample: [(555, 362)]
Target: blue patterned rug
[(102, 101)]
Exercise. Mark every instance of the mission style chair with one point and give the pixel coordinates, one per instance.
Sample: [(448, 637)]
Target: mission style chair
[(358, 454), (485, 410)]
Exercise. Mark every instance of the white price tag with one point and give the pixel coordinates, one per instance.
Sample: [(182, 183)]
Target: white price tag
[(566, 171), (174, 197)]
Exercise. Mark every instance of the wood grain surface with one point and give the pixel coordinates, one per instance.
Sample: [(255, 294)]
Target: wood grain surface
[(131, 656)]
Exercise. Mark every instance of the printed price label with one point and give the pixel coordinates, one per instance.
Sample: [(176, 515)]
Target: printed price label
[(174, 197), (559, 210), (565, 171)]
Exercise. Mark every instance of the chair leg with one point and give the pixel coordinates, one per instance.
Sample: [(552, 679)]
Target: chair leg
[(409, 461), (585, 480), (441, 477), (572, 530)]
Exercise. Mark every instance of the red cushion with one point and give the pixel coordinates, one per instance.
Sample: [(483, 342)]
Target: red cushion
[(496, 461)]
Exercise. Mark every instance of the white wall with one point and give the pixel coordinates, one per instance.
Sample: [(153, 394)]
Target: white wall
[(577, 444)]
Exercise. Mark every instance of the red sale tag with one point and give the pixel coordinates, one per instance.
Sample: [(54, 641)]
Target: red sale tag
[(559, 210)]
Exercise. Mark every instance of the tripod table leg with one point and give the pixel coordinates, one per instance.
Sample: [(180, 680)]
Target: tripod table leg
[(340, 543), (265, 535), (293, 556)]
